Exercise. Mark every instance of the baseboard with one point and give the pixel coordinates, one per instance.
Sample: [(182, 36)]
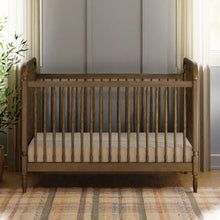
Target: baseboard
[(215, 161)]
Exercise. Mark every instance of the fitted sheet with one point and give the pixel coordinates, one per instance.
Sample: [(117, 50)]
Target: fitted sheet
[(114, 151)]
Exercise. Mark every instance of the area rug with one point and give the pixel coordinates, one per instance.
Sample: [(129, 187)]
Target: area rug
[(110, 203)]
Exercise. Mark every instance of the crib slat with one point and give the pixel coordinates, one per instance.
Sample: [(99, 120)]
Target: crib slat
[(156, 124), (128, 124), (168, 105), (60, 108), (151, 108), (125, 106), (91, 123), (73, 124), (134, 108), (82, 124), (100, 122), (45, 124), (137, 125), (35, 125), (94, 95), (177, 108), (147, 125), (159, 108), (63, 122), (85, 107), (51, 104), (184, 126), (53, 109), (110, 124), (119, 122), (175, 122), (166, 124), (77, 109), (68, 108), (142, 109)]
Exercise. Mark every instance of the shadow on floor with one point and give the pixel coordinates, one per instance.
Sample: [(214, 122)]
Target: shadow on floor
[(149, 180)]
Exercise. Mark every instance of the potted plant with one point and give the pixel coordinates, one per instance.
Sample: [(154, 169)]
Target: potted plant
[(10, 56)]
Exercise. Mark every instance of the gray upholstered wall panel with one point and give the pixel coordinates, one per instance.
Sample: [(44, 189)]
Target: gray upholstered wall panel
[(159, 30), (63, 37), (106, 35), (114, 39)]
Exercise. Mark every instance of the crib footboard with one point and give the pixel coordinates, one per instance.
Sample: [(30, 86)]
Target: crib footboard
[(110, 123)]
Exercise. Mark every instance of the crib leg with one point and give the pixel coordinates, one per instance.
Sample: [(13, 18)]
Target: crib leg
[(195, 183), (24, 172), (24, 183), (195, 171)]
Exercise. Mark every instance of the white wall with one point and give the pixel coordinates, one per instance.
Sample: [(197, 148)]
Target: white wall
[(106, 36)]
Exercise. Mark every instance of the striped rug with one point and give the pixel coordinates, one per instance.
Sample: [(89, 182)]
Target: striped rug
[(110, 203)]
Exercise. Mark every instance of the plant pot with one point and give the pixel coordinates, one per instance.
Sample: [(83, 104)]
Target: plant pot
[(1, 161)]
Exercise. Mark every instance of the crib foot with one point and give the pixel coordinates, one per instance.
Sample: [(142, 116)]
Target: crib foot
[(24, 183), (195, 183)]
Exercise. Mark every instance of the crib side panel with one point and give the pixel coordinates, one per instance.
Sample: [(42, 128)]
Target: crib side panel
[(114, 101)]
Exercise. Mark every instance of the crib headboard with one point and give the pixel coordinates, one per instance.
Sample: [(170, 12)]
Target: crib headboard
[(190, 74), (29, 73)]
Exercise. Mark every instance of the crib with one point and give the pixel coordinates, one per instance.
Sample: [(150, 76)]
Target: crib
[(109, 123)]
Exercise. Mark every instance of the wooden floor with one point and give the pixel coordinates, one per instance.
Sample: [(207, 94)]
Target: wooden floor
[(208, 179)]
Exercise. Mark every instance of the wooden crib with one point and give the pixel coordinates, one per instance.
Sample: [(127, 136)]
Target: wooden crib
[(110, 123)]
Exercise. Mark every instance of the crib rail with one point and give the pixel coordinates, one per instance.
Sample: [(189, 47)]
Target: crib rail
[(108, 76), (116, 84)]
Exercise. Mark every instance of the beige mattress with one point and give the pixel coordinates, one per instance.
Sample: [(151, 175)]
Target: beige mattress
[(105, 147)]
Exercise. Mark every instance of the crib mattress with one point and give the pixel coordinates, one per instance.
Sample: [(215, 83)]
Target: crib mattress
[(114, 151)]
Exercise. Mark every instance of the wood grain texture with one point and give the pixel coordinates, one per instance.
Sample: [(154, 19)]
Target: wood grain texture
[(103, 76), (53, 121), (175, 124), (82, 123), (72, 124), (100, 123), (91, 122), (137, 98), (119, 122), (96, 84), (147, 124), (156, 123), (35, 124), (166, 123), (45, 123), (63, 122), (109, 167), (128, 120), (110, 123)]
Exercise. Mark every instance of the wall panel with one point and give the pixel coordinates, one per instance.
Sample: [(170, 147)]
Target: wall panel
[(114, 38), (159, 41), (63, 37), (107, 36)]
